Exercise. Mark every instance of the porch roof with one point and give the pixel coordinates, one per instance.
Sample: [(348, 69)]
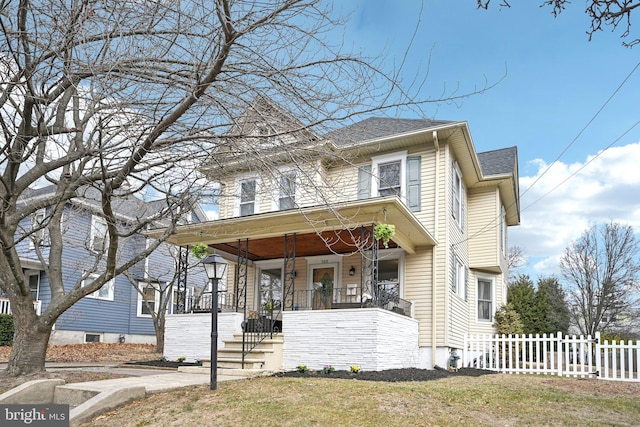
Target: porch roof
[(319, 230)]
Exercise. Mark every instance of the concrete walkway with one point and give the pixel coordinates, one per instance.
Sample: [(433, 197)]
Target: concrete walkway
[(88, 399)]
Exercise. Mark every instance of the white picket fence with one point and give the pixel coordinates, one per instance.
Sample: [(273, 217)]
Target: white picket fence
[(571, 356)]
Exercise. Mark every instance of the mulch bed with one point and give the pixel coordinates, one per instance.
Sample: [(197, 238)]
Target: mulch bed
[(390, 375)]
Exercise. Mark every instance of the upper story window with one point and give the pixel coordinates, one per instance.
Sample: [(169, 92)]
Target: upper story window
[(248, 190), (390, 174), (106, 292), (389, 182), (98, 239), (458, 205), (38, 226), (393, 174), (287, 196)]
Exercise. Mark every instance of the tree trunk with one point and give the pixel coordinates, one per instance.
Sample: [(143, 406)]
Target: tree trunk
[(159, 336), (29, 341)]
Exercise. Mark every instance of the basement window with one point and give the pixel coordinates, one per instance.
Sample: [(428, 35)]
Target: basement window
[(89, 338)]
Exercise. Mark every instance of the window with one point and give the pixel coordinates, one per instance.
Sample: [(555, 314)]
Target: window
[(38, 226), (458, 196), (485, 300), (287, 197), (105, 292), (271, 288), (388, 280), (34, 284), (459, 279), (389, 173), (98, 241), (88, 338), (395, 174), (248, 197), (148, 299), (389, 178)]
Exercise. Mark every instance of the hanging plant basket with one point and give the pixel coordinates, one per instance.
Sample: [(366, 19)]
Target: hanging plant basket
[(384, 232), (200, 250)]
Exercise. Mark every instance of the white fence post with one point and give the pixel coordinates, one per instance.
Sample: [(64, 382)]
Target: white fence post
[(598, 355)]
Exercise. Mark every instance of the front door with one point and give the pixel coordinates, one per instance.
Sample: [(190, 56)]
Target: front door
[(323, 285)]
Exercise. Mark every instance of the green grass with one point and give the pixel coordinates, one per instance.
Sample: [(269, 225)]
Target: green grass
[(488, 400)]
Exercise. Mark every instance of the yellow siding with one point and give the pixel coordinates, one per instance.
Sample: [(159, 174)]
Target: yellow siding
[(418, 288), (484, 227)]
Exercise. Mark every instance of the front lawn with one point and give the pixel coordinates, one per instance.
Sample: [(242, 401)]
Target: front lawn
[(493, 400)]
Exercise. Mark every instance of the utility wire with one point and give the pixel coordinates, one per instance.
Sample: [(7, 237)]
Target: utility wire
[(496, 221)]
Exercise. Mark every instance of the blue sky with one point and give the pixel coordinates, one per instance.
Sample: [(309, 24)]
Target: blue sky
[(551, 83)]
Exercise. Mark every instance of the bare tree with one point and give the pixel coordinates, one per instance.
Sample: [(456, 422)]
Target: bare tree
[(602, 269), (515, 259), (124, 98), (603, 13), (156, 288)]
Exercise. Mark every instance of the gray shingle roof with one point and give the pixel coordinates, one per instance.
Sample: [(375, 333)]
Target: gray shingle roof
[(128, 205), (379, 127), (499, 162)]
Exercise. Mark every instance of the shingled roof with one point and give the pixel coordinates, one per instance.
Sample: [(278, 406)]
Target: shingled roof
[(379, 127), (499, 162)]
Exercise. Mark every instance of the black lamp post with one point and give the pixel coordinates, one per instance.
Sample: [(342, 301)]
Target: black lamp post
[(215, 267)]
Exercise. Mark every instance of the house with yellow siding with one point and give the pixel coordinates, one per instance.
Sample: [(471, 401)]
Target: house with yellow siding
[(308, 281)]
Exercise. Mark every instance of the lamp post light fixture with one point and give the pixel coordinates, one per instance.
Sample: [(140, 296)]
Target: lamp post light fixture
[(215, 267)]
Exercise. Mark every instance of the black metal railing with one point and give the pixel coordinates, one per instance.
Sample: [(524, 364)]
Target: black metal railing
[(202, 303), (270, 320), (350, 298)]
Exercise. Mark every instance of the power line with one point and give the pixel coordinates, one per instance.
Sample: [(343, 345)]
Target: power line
[(495, 222)]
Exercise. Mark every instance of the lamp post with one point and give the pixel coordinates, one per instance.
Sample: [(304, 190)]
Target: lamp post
[(215, 267)]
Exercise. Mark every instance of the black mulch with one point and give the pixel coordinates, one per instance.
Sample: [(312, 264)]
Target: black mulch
[(163, 364), (390, 375)]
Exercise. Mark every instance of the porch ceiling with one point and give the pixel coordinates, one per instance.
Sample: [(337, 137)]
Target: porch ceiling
[(319, 230)]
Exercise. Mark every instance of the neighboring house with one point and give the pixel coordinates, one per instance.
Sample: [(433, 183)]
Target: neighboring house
[(116, 312), (297, 229)]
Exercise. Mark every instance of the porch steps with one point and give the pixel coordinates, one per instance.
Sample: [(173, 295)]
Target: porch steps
[(267, 355)]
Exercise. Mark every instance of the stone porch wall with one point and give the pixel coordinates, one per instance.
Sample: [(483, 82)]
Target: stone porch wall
[(372, 338), (189, 335)]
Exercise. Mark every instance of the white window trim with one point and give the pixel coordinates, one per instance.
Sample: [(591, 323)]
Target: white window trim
[(156, 298), (491, 279), (42, 234), (33, 273), (96, 295), (238, 190), (95, 222), (459, 278), (388, 158), (276, 188), (457, 214)]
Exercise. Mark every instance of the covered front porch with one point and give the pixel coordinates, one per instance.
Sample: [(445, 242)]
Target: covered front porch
[(306, 266), (307, 259)]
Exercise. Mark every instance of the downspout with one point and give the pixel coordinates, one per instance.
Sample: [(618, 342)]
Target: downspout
[(436, 201)]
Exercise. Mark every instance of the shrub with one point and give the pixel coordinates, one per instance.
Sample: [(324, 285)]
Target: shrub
[(6, 329)]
